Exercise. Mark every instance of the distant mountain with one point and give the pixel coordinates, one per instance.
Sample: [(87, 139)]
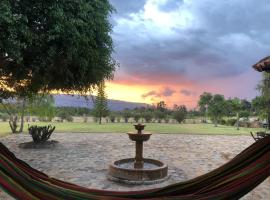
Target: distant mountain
[(62, 100)]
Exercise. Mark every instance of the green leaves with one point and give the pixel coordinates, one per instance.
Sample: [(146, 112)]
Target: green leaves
[(55, 45)]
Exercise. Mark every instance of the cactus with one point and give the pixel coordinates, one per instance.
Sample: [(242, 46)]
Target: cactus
[(41, 134)]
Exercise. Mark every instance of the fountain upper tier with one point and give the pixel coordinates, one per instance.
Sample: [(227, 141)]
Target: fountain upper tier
[(139, 136)]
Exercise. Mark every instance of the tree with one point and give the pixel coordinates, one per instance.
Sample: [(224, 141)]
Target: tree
[(264, 88), (100, 103), (14, 110), (112, 117), (235, 107), (180, 113), (136, 117), (126, 114), (161, 106), (217, 108), (258, 107), (204, 103), (148, 116), (159, 115), (42, 106), (54, 45)]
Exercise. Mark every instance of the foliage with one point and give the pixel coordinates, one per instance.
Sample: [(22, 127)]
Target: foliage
[(159, 115), (180, 113), (126, 114), (65, 116), (15, 110), (54, 45), (41, 134), (148, 116), (264, 104), (161, 106), (234, 107), (258, 106), (231, 122), (245, 114), (112, 117), (74, 111), (204, 102), (4, 117), (217, 107), (100, 103), (136, 117), (42, 105)]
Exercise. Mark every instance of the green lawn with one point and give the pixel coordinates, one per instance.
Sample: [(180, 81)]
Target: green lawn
[(151, 127)]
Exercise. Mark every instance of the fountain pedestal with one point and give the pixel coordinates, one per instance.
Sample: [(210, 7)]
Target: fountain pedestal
[(139, 138), (138, 170)]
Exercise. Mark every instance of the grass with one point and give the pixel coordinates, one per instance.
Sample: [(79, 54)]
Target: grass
[(204, 129)]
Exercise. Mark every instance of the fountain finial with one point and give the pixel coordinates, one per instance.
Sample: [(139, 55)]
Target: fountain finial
[(139, 127)]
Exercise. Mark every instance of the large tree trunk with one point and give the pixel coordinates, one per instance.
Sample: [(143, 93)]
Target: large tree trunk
[(13, 123), (237, 121), (100, 118), (216, 122), (268, 120), (22, 116), (13, 120)]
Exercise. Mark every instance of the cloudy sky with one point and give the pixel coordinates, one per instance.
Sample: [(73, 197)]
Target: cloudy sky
[(174, 50)]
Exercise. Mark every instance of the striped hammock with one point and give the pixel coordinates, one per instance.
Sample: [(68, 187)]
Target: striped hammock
[(230, 181)]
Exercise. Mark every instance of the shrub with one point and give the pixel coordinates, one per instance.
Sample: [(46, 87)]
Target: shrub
[(222, 122), (65, 116), (41, 134), (167, 119), (180, 113), (231, 122), (112, 117), (4, 117), (136, 117), (126, 114), (148, 116)]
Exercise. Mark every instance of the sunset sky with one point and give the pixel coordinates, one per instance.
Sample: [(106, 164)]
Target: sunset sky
[(174, 50)]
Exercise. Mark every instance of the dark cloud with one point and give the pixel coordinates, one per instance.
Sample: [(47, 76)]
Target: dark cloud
[(149, 94), (187, 92), (221, 40), (125, 7), (166, 92)]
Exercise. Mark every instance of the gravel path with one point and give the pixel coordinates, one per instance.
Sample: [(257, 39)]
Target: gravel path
[(83, 158)]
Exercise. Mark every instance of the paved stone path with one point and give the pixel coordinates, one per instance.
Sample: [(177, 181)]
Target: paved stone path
[(84, 158)]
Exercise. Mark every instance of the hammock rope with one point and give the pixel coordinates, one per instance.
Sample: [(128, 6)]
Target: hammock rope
[(230, 181)]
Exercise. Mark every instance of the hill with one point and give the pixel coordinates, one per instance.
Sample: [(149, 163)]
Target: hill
[(62, 100)]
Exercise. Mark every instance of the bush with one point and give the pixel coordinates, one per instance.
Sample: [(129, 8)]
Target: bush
[(222, 121), (180, 113), (41, 134), (4, 117), (65, 116), (136, 117), (167, 119), (231, 122), (148, 116), (112, 117)]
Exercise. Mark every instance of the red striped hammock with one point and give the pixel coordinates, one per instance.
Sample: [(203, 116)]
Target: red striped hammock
[(230, 181)]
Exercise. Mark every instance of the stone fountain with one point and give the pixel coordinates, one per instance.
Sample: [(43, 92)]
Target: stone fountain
[(138, 170)]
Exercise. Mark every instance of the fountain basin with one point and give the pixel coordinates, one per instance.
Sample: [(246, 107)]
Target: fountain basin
[(139, 137), (154, 171)]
